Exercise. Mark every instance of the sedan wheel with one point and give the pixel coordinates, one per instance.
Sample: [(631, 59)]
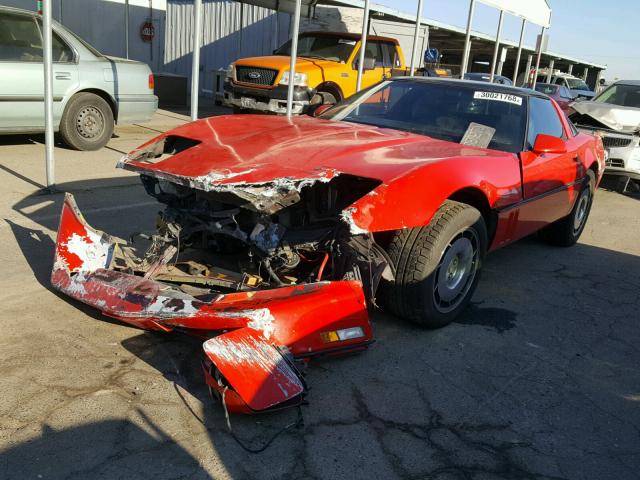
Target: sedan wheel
[(87, 122)]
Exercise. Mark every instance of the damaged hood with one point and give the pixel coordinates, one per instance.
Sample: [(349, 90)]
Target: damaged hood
[(226, 151), (623, 119)]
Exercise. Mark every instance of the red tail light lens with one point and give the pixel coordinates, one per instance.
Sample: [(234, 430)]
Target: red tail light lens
[(152, 82)]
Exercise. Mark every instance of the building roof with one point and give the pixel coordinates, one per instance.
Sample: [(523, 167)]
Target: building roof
[(395, 14)]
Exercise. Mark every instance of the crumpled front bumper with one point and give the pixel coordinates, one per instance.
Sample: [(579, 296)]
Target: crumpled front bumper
[(252, 336)]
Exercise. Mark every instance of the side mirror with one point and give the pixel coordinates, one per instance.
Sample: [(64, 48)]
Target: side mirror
[(549, 144), (369, 63)]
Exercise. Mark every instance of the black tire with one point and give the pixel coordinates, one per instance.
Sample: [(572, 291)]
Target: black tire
[(427, 289), (323, 98), (87, 122), (566, 231)]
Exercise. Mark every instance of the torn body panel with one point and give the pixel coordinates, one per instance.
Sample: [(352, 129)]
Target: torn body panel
[(293, 311)]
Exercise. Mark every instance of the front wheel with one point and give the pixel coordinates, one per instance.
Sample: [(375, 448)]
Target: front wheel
[(87, 122), (437, 267)]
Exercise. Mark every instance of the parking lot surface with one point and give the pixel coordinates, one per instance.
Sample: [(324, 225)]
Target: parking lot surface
[(539, 379)]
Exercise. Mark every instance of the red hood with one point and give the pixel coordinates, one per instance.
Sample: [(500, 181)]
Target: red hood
[(258, 149)]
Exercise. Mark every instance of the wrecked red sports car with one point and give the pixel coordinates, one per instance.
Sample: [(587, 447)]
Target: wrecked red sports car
[(278, 236)]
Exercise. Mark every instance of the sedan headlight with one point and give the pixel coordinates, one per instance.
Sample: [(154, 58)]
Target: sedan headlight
[(635, 156), (230, 73), (299, 79)]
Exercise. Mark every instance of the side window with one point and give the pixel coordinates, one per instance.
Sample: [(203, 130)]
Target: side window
[(543, 118), (374, 50), (20, 39), (565, 93), (559, 81), (390, 55), (60, 50)]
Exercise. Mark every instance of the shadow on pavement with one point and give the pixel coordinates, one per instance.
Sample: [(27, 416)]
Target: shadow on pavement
[(106, 449), (536, 366)]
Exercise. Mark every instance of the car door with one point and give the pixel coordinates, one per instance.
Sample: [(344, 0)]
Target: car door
[(550, 180), (22, 74)]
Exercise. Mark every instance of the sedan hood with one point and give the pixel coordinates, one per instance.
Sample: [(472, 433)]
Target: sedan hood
[(623, 119), (220, 152)]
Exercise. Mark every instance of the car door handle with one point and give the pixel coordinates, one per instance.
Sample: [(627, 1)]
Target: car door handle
[(63, 75)]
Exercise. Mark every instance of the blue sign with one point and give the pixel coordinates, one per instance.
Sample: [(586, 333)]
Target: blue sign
[(431, 55)]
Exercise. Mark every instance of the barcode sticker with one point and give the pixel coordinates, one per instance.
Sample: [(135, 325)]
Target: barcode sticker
[(499, 97)]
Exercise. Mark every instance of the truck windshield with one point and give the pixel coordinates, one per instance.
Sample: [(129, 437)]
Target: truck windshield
[(445, 111), (326, 47), (621, 95)]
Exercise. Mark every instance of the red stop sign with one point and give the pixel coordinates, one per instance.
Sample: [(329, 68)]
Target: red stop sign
[(147, 31)]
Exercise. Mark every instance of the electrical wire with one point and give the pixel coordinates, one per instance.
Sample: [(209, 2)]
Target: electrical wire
[(297, 423)]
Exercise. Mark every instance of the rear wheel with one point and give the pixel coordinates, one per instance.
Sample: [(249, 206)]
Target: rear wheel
[(437, 267), (567, 231), (87, 122)]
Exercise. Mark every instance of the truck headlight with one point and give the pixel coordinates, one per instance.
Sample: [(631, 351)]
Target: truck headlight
[(230, 73), (299, 79)]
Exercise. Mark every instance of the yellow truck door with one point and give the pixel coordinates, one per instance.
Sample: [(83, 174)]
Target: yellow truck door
[(386, 56)]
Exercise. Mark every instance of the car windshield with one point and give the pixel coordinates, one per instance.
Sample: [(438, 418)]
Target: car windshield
[(546, 88), (460, 113), (577, 84), (621, 95), (326, 47)]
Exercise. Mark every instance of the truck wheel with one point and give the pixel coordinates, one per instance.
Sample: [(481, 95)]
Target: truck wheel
[(567, 231), (437, 266), (323, 98), (87, 122)]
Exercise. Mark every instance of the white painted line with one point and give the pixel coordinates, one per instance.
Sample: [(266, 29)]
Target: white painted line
[(38, 219)]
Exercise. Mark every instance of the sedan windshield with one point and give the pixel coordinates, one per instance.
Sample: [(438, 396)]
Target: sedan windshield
[(546, 88), (621, 95), (459, 112), (577, 84), (325, 47)]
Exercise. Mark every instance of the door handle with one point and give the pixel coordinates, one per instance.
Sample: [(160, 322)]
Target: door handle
[(63, 75)]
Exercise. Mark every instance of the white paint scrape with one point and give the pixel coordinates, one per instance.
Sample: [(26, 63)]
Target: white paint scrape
[(92, 251), (347, 217), (260, 319)]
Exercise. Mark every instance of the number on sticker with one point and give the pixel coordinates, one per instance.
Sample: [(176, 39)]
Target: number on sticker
[(499, 97)]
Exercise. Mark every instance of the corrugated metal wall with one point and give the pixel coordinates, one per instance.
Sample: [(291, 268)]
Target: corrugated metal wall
[(225, 37)]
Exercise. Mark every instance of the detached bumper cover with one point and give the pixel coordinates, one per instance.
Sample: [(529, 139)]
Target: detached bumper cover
[(290, 318)]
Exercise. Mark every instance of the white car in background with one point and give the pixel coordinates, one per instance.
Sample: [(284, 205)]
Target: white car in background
[(615, 115), (91, 91)]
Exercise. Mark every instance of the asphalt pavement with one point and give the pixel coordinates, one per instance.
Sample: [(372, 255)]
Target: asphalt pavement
[(539, 379)]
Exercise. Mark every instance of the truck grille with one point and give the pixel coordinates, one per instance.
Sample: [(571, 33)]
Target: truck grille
[(614, 162), (616, 142), (256, 75)]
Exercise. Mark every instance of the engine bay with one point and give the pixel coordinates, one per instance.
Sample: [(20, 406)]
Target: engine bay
[(214, 242)]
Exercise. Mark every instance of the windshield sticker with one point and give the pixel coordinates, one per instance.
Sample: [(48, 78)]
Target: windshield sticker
[(499, 97), (347, 42), (478, 135)]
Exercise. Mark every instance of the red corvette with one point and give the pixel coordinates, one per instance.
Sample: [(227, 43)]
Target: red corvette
[(278, 235)]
